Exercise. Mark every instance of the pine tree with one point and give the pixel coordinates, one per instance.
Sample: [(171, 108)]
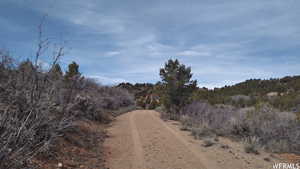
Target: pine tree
[(179, 87), (73, 70)]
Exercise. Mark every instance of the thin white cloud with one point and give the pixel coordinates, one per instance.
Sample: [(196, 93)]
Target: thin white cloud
[(112, 53), (192, 53), (43, 64)]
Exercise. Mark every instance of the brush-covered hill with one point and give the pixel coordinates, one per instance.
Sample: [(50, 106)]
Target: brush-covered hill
[(147, 95), (282, 93), (263, 87)]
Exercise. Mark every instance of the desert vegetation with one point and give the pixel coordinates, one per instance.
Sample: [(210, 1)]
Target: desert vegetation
[(281, 93), (244, 112), (147, 95), (40, 105), (259, 127)]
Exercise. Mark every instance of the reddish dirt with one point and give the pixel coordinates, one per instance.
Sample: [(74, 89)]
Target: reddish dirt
[(291, 158), (80, 149)]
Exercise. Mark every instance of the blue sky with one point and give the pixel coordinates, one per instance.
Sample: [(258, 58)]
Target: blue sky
[(224, 42)]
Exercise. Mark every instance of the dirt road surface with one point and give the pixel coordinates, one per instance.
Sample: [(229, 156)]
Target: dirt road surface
[(141, 140)]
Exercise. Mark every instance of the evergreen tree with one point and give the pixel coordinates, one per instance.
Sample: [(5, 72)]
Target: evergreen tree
[(72, 80), (56, 72), (179, 87), (26, 69), (73, 70)]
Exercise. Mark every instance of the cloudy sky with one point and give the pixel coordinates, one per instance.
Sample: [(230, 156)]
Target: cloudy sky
[(224, 42)]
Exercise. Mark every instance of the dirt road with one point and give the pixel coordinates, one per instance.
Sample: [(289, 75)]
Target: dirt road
[(141, 140)]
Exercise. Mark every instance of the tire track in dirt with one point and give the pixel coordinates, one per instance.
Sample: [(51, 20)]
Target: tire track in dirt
[(141, 140), (161, 149), (188, 145), (139, 156)]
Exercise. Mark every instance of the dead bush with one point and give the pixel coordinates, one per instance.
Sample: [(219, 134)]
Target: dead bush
[(251, 145), (185, 122), (268, 124), (262, 122), (201, 132), (38, 106), (95, 102), (209, 118)]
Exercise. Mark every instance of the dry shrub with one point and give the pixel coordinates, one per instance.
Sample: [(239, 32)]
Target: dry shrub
[(209, 118), (23, 135), (37, 107), (202, 131), (185, 122), (251, 145), (163, 112), (94, 102), (30, 122), (269, 124), (276, 131)]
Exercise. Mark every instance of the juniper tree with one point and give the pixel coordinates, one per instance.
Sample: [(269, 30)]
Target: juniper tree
[(73, 70), (72, 80), (176, 79)]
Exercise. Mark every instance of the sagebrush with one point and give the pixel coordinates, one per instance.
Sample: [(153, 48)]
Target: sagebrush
[(37, 106)]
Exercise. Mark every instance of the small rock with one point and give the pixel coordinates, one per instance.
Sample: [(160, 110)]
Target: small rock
[(267, 159), (225, 146), (207, 143), (59, 165)]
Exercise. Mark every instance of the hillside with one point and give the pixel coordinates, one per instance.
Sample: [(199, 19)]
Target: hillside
[(147, 95), (262, 87), (282, 93)]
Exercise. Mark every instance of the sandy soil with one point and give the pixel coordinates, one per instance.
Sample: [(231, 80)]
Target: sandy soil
[(141, 140)]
